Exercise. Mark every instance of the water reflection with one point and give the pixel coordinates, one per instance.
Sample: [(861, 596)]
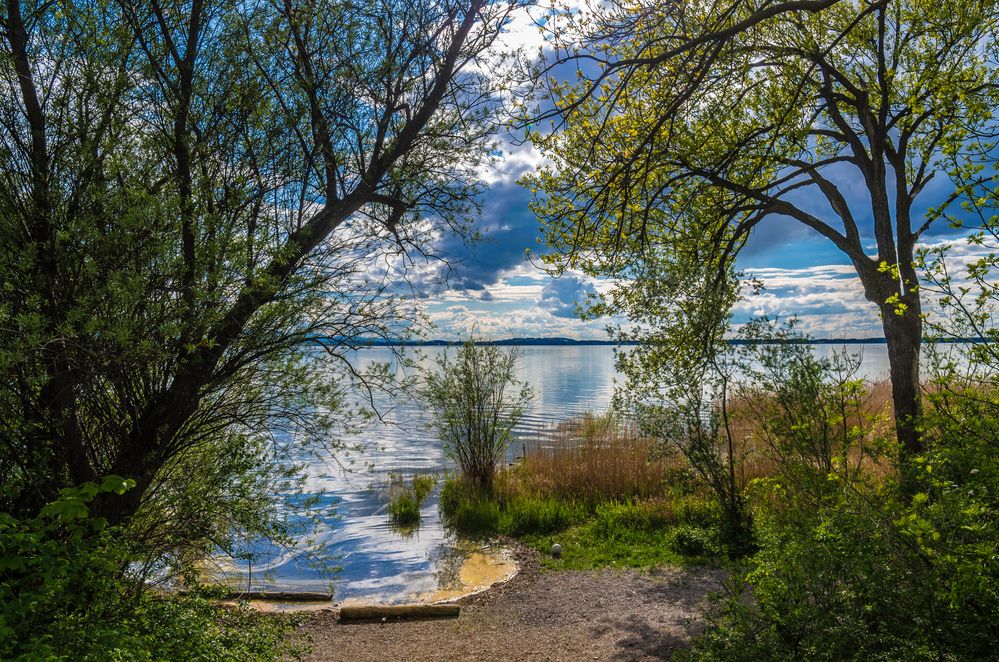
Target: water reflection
[(380, 562)]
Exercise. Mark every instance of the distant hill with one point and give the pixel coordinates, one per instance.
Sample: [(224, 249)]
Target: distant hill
[(563, 342)]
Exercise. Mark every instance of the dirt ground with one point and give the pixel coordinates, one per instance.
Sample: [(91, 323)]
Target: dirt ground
[(539, 615)]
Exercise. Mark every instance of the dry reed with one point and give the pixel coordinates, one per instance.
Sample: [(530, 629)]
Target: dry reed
[(593, 459)]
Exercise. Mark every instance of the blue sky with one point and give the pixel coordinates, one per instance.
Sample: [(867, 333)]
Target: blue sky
[(496, 292)]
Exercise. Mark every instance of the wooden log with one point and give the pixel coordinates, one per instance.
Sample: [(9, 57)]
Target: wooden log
[(367, 613)]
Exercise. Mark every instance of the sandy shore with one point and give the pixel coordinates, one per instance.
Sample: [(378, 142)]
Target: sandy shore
[(539, 615)]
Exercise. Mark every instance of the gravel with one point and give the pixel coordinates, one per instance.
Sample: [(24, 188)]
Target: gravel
[(539, 615)]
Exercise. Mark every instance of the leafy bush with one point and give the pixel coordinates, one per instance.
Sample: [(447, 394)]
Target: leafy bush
[(475, 408), (866, 574), (688, 540), (65, 595)]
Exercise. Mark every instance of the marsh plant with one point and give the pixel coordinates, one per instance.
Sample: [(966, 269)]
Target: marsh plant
[(405, 501), (476, 401)]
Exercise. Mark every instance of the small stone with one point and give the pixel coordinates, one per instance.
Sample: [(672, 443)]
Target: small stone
[(557, 550)]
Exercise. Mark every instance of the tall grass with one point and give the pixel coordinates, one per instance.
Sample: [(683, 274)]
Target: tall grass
[(593, 459), (405, 501)]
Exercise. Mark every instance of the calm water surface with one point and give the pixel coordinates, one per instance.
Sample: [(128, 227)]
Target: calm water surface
[(381, 563)]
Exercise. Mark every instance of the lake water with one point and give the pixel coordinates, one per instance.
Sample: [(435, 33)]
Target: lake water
[(380, 563)]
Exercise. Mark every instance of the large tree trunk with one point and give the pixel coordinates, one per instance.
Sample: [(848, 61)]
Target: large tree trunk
[(903, 333), (901, 320)]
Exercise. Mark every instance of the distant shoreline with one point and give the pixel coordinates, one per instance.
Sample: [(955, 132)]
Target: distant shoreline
[(570, 342)]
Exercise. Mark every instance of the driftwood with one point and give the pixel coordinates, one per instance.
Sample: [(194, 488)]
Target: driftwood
[(398, 611)]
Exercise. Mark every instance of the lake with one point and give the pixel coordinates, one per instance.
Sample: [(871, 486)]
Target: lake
[(380, 563)]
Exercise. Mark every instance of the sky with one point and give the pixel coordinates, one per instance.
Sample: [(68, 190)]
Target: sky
[(496, 292)]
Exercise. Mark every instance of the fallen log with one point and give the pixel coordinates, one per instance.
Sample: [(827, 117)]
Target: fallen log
[(368, 613)]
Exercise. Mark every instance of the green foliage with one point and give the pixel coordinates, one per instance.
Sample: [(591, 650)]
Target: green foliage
[(698, 122), (525, 515), (405, 502), (690, 540), (610, 533), (469, 510), (178, 291), (810, 411), (475, 402), (850, 567), (866, 575), (66, 594)]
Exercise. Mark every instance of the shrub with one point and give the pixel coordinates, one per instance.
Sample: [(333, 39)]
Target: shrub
[(475, 405), (689, 540), (65, 596), (868, 574)]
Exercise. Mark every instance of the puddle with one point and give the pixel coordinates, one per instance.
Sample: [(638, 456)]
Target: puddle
[(480, 570)]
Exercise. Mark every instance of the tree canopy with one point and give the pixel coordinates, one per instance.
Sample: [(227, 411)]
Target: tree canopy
[(191, 193), (689, 124)]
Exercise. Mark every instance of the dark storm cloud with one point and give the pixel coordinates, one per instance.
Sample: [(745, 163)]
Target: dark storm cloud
[(562, 296), (507, 227)]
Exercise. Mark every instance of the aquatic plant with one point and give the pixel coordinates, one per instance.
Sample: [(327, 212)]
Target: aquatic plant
[(405, 501)]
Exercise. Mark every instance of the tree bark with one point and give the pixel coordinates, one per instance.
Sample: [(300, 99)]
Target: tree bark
[(903, 334), (901, 321)]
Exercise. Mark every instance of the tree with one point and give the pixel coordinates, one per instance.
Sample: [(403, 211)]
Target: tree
[(476, 405), (190, 194), (695, 123)]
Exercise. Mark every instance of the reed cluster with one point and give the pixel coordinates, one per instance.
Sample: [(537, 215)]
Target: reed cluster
[(593, 459)]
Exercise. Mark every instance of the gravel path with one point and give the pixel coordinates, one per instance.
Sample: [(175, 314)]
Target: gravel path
[(550, 615)]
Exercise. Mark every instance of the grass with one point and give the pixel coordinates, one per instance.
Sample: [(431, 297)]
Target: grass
[(636, 533), (609, 497), (405, 501)]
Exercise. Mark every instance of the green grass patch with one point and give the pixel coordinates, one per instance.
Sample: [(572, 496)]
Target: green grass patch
[(633, 533)]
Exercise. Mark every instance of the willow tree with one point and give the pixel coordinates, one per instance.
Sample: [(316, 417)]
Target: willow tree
[(193, 191), (691, 123)]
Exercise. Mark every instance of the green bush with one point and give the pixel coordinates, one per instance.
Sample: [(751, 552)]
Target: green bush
[(868, 575), (64, 595), (476, 401), (688, 540)]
